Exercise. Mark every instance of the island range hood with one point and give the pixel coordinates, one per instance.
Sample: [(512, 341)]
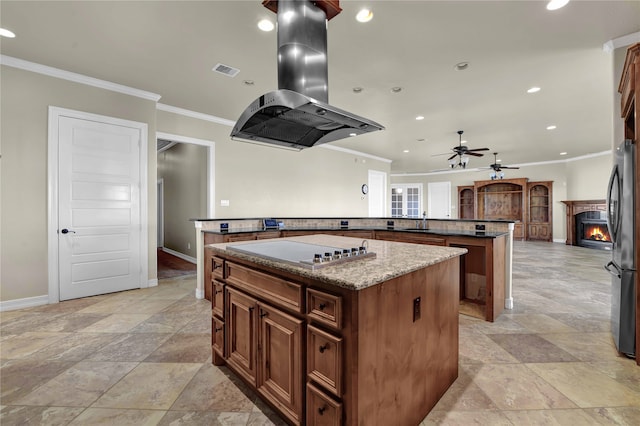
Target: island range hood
[(298, 115)]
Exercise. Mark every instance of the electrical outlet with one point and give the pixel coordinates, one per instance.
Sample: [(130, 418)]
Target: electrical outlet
[(188, 246), (479, 227), (224, 203)]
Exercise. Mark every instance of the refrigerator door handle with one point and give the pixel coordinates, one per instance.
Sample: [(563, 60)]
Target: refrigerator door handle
[(613, 214), (618, 273)]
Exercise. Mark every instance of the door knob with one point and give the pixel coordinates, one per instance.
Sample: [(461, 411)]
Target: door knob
[(66, 231)]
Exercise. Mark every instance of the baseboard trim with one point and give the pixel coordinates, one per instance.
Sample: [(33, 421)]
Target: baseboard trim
[(180, 255), (152, 282), (27, 302), (199, 293), (559, 240)]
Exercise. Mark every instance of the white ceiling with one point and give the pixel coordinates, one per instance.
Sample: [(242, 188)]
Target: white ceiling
[(170, 47)]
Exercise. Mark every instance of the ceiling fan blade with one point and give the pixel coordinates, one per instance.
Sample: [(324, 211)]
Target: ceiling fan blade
[(439, 155), (478, 149), (452, 157), (475, 154), (507, 167)]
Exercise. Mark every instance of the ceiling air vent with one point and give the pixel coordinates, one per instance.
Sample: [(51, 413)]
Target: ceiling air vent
[(226, 70)]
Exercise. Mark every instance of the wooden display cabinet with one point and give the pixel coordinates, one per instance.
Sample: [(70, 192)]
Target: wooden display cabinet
[(505, 199), (540, 220), (466, 202)]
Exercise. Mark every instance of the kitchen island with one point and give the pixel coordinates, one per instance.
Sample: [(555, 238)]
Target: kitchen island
[(373, 340)]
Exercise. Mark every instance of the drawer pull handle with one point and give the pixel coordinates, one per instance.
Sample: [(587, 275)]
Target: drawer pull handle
[(322, 306), (322, 409), (218, 329), (324, 347), (264, 314), (217, 291)]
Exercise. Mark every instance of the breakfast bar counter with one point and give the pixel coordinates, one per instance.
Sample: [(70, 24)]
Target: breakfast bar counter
[(367, 339)]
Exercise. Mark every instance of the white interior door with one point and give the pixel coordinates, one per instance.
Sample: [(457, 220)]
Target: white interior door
[(439, 196), (99, 207), (377, 193)]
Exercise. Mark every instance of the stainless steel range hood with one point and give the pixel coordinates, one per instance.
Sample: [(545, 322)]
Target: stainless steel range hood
[(298, 115)]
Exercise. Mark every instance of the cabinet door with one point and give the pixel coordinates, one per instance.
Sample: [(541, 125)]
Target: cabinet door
[(217, 298), (241, 339), (280, 360)]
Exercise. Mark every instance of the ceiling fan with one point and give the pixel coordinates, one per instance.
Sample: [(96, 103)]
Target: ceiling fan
[(463, 153), (497, 168)]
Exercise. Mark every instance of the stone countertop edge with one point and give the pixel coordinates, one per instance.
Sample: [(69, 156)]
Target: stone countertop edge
[(393, 259)]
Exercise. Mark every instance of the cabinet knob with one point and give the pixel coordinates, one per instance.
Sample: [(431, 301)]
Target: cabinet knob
[(324, 347), (322, 306), (322, 409), (263, 314), (217, 291), (218, 329)]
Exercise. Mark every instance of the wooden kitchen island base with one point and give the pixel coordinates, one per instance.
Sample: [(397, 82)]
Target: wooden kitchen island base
[(323, 351)]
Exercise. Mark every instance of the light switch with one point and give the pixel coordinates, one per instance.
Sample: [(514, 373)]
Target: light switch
[(224, 203)]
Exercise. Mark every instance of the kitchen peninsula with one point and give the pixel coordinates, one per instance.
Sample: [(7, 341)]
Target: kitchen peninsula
[(371, 340), (485, 272)]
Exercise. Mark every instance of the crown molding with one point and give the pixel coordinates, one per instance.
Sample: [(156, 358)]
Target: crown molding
[(619, 42), (194, 114), (76, 78)]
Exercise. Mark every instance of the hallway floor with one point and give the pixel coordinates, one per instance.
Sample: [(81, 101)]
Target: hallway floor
[(143, 357)]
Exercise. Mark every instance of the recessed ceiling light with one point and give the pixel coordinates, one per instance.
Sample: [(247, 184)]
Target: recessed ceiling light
[(461, 66), (405, 151), (365, 15), (396, 89), (352, 134), (420, 117), (533, 90), (551, 127), (421, 139), (357, 89), (463, 141), (556, 4), (6, 33), (563, 153), (266, 25)]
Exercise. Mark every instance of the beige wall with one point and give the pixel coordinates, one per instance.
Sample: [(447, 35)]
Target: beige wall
[(183, 170), (25, 100), (572, 180), (263, 181)]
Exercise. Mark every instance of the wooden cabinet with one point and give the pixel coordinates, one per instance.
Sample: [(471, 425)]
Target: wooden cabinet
[(411, 237), (540, 220), (466, 202), (505, 199), (280, 360), (321, 409), (241, 334)]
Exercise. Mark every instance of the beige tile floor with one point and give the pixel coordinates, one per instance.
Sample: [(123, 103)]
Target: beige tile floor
[(142, 357)]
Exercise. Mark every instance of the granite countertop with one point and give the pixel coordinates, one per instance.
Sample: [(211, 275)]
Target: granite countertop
[(443, 232), (392, 260)]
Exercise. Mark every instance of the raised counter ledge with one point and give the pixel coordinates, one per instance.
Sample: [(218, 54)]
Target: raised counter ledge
[(393, 259)]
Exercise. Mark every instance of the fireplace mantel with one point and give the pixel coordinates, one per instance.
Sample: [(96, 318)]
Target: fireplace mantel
[(575, 207)]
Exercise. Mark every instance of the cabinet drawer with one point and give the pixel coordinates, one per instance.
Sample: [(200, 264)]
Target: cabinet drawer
[(321, 409), (217, 299), (324, 308), (217, 267), (217, 336), (324, 359), (280, 292)]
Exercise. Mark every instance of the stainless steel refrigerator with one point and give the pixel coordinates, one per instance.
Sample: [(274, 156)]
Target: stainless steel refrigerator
[(621, 224)]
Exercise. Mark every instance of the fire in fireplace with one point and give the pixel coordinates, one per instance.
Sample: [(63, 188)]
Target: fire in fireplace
[(596, 232)]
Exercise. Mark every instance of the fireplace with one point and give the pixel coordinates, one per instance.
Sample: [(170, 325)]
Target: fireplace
[(591, 230)]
